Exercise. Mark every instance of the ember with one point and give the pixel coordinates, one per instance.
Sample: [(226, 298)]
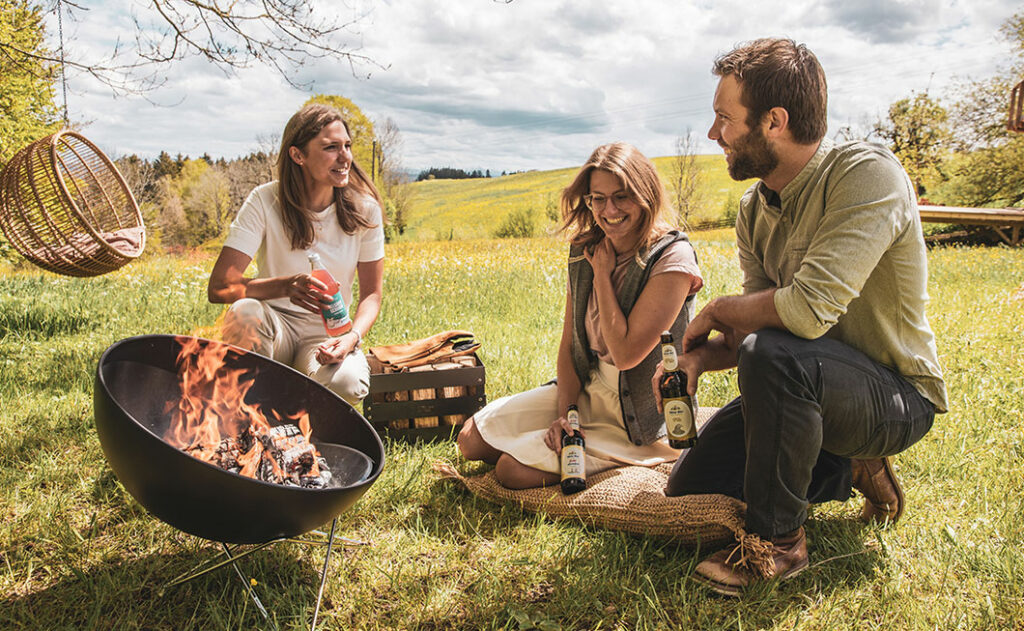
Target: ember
[(212, 422)]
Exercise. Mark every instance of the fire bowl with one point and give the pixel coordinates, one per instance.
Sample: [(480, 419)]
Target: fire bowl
[(137, 382)]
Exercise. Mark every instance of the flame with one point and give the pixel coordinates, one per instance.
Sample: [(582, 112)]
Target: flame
[(212, 408)]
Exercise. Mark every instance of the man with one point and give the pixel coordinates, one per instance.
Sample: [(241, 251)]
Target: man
[(837, 366)]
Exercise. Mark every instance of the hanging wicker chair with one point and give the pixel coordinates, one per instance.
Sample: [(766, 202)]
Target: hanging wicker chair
[(65, 207)]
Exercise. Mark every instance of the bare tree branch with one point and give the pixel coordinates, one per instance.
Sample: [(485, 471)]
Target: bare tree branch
[(231, 34), (685, 178)]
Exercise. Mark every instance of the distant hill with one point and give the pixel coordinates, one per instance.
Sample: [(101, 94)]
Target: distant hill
[(473, 208)]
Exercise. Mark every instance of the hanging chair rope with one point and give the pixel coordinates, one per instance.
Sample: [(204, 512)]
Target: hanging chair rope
[(63, 77)]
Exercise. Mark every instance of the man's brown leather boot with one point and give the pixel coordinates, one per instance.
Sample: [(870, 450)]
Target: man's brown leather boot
[(883, 497), (753, 559)]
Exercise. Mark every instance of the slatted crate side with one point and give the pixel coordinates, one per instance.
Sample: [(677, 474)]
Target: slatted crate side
[(426, 405)]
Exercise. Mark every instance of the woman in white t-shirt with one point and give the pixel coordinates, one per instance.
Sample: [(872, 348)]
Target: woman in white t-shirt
[(614, 214), (322, 202)]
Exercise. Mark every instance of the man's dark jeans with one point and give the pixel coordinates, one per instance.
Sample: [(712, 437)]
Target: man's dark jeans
[(805, 408)]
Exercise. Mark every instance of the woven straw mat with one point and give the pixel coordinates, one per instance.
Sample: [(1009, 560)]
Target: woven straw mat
[(631, 499)]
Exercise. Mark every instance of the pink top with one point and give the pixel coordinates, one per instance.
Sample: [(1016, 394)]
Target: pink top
[(678, 257)]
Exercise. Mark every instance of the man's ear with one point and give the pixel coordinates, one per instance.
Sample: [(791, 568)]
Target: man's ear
[(776, 121), (296, 155)]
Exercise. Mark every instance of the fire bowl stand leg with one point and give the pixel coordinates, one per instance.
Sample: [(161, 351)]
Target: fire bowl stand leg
[(232, 559)]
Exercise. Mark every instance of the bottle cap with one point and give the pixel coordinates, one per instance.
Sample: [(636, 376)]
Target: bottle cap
[(666, 337)]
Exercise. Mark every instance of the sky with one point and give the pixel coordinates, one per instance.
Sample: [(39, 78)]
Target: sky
[(534, 84)]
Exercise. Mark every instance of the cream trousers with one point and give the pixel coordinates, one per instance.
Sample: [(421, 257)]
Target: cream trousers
[(292, 339)]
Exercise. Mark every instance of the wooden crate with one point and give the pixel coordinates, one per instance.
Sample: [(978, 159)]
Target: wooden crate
[(426, 402)]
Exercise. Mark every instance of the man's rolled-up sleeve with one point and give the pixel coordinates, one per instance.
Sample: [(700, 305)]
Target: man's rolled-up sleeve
[(866, 208)]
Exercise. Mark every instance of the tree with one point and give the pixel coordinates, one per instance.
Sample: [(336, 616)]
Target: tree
[(685, 178), (27, 110), (394, 184), (359, 126), (917, 132), (246, 173), (283, 34), (194, 205), (989, 176), (988, 169), (520, 223)]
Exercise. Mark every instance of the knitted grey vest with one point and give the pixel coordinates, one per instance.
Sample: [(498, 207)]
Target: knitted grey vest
[(644, 423)]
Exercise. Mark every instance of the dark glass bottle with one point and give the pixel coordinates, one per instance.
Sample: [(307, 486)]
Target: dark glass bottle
[(574, 470), (677, 404)]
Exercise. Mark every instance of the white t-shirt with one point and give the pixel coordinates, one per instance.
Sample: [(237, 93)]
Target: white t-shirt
[(258, 231)]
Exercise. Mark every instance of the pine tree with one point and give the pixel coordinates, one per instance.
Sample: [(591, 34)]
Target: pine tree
[(27, 109)]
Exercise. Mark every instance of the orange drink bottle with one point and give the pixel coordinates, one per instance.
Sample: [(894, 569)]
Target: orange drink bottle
[(332, 305)]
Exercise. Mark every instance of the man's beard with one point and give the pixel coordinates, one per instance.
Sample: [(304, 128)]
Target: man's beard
[(752, 156)]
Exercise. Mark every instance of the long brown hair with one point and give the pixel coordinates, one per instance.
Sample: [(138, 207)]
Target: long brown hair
[(302, 127), (638, 176)]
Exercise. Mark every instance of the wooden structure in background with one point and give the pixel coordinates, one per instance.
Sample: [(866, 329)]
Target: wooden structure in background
[(1006, 223), (1015, 122)]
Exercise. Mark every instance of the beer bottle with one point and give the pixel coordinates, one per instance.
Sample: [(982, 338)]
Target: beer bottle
[(574, 471), (678, 406), (332, 307)]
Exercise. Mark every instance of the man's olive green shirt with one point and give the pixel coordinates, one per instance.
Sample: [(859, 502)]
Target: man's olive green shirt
[(842, 243)]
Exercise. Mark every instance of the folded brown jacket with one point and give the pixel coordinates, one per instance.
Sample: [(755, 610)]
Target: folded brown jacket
[(429, 350)]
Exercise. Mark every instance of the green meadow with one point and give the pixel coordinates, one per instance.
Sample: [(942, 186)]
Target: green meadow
[(77, 552), (472, 209)]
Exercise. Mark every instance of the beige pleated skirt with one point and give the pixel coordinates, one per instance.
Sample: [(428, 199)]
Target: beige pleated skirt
[(516, 425)]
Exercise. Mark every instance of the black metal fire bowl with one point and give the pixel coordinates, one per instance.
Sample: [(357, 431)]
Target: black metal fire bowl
[(136, 380)]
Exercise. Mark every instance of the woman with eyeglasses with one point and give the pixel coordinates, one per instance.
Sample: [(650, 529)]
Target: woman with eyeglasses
[(630, 278)]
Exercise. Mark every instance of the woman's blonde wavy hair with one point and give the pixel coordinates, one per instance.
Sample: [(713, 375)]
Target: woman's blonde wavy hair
[(639, 178)]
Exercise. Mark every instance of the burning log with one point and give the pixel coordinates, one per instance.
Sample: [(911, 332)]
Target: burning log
[(281, 455), (289, 458), (212, 422)]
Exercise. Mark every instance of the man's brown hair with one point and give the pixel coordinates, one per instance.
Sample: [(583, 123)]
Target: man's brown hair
[(774, 72)]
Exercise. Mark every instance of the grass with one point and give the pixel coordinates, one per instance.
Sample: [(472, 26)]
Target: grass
[(77, 552), (471, 209)]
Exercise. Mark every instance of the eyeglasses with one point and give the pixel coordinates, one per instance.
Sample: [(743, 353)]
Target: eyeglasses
[(621, 200)]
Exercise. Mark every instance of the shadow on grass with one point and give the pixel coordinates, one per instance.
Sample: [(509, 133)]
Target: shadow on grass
[(603, 577), (131, 594)]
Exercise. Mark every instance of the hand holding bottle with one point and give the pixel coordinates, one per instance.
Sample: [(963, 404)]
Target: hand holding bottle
[(332, 305), (305, 291), (573, 454), (553, 437)]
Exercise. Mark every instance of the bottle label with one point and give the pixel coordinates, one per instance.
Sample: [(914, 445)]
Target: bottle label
[(572, 462), (678, 419), (335, 313), (573, 416), (669, 360)]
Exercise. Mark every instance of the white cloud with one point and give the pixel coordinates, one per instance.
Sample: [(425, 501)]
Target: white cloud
[(539, 84)]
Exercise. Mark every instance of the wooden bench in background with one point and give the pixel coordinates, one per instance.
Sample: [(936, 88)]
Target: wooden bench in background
[(1005, 222)]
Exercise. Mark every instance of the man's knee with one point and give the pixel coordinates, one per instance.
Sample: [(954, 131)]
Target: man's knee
[(765, 351)]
